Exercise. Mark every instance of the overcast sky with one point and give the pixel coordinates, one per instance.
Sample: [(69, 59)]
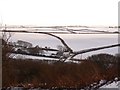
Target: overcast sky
[(59, 12)]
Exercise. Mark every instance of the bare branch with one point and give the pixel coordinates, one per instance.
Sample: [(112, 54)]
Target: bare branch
[(90, 50), (62, 41)]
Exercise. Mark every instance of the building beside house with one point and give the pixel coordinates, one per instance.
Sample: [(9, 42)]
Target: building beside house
[(24, 44)]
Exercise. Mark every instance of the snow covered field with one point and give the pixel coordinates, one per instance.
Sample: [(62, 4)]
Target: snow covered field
[(75, 41)]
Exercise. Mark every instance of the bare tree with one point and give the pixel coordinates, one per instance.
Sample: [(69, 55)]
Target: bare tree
[(5, 47)]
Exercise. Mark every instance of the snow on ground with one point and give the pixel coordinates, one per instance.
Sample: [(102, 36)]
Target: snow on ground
[(112, 85), (20, 56)]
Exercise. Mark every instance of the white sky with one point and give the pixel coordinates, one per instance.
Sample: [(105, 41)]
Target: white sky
[(59, 12)]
